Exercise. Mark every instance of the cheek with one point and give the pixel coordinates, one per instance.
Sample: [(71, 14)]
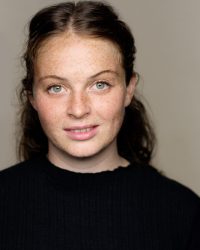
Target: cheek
[(47, 112), (112, 109)]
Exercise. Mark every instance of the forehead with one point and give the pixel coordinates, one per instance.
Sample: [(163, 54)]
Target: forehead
[(69, 39), (74, 51)]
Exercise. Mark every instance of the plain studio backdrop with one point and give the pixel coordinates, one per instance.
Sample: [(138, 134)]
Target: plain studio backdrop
[(168, 60)]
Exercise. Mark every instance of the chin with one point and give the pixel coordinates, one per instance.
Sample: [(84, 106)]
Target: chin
[(81, 149), (83, 153), (86, 151)]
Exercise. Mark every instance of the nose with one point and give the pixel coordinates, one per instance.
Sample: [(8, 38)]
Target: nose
[(79, 105)]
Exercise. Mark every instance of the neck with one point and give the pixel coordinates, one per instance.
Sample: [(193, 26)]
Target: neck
[(106, 160)]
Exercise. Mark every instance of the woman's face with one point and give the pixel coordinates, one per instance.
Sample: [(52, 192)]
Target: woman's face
[(80, 94)]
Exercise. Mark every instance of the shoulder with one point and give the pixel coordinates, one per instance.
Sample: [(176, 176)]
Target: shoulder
[(17, 168), (18, 172), (164, 190), (169, 206)]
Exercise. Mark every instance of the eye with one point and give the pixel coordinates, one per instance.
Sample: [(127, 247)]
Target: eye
[(55, 89), (101, 85)]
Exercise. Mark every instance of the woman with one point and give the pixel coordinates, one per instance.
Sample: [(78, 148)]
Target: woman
[(86, 182)]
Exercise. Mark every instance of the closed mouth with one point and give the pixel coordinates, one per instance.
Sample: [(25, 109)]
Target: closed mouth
[(82, 130), (82, 133)]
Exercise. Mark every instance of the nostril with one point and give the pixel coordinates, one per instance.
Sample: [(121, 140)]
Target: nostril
[(78, 106)]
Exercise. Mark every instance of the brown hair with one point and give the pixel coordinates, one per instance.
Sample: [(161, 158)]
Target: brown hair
[(96, 19)]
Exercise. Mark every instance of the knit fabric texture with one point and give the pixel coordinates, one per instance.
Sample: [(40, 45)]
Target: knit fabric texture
[(44, 207)]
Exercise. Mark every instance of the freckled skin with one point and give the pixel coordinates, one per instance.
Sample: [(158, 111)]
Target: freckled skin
[(76, 59)]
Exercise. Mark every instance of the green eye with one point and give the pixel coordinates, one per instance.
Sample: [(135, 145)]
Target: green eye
[(101, 85), (55, 89)]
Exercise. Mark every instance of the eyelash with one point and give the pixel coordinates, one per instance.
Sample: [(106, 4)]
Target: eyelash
[(105, 84), (49, 89)]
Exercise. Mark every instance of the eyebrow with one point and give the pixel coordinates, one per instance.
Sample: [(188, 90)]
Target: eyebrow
[(91, 77)]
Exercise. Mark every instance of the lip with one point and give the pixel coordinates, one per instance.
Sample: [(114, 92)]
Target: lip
[(81, 133)]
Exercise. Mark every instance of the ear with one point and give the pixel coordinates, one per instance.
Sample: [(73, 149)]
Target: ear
[(32, 100), (130, 90)]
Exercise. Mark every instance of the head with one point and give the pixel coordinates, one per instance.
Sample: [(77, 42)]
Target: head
[(88, 19)]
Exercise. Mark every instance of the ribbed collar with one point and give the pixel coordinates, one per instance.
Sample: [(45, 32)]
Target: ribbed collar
[(70, 178)]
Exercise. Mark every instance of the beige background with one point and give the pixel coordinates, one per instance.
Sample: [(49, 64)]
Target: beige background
[(168, 59)]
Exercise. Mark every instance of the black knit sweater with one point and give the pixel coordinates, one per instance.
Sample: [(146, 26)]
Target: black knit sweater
[(43, 207)]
